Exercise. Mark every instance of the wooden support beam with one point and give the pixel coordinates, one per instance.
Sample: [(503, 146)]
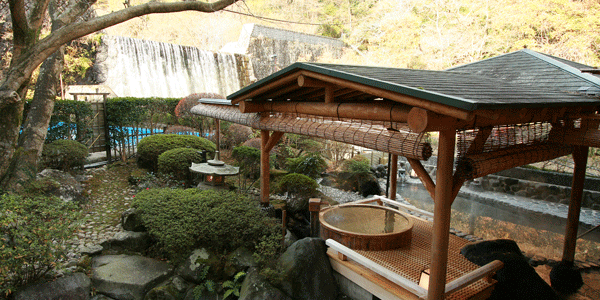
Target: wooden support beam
[(304, 81), (580, 155), (267, 87), (423, 120), (393, 173), (329, 97), (409, 100), (479, 141), (423, 176), (380, 111), (264, 169), (273, 139), (441, 215)]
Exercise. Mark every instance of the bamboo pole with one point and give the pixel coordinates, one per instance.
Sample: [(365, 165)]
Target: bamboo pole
[(393, 174), (423, 120), (580, 155), (377, 111), (264, 168), (441, 215)]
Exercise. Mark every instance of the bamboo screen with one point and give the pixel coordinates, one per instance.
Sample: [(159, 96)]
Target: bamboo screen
[(390, 137), (507, 147)]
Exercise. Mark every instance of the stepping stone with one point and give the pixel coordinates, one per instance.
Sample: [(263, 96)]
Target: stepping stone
[(127, 277)]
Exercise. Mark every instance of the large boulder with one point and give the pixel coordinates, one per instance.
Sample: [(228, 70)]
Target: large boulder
[(132, 221), (61, 184), (201, 264), (517, 279), (256, 287), (76, 286), (306, 271), (239, 260), (127, 277)]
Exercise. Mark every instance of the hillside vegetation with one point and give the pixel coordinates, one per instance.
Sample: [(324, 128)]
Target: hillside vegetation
[(420, 34)]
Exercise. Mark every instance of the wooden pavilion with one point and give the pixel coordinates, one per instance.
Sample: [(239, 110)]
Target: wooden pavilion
[(489, 122)]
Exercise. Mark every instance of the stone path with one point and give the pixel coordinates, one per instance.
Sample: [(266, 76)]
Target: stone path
[(109, 196)]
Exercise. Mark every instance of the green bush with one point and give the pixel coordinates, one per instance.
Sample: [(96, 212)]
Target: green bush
[(181, 220), (64, 155), (355, 173), (177, 162), (249, 158), (298, 185), (32, 235), (151, 147), (311, 165), (70, 119)]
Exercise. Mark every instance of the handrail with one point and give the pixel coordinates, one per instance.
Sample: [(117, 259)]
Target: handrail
[(473, 276)]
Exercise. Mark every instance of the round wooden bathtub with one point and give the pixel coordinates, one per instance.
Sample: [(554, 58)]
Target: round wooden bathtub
[(366, 227)]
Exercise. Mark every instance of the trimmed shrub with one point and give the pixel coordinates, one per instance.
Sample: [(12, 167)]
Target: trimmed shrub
[(32, 234), (297, 186), (356, 172), (64, 155), (151, 147), (177, 162), (311, 165), (249, 158), (182, 220)]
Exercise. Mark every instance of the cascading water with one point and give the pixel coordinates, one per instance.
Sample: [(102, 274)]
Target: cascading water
[(142, 68)]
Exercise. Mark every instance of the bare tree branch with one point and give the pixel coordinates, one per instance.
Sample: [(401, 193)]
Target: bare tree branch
[(23, 65)]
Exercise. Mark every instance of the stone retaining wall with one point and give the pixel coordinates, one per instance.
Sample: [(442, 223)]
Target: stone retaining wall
[(535, 190)]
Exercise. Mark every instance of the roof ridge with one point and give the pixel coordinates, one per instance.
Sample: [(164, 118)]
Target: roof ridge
[(563, 66)]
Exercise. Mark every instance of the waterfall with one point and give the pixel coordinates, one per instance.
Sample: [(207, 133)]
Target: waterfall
[(142, 68)]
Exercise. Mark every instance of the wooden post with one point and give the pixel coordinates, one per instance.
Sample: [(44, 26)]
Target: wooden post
[(580, 156), (314, 206), (393, 174), (441, 215), (264, 168), (106, 131)]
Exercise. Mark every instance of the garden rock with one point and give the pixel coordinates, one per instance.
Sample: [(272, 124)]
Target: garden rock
[(239, 260), (131, 221), (307, 272), (173, 288), (256, 287), (128, 240), (67, 188), (517, 279), (193, 268), (289, 239), (101, 297), (74, 287), (91, 250), (127, 277), (204, 296)]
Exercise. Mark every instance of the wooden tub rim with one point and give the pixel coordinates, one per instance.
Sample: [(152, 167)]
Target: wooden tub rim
[(409, 226)]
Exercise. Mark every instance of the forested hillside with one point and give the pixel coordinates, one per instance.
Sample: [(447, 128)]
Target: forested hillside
[(421, 34)]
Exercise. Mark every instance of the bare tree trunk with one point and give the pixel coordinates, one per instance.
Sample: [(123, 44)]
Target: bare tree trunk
[(24, 163), (10, 123)]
